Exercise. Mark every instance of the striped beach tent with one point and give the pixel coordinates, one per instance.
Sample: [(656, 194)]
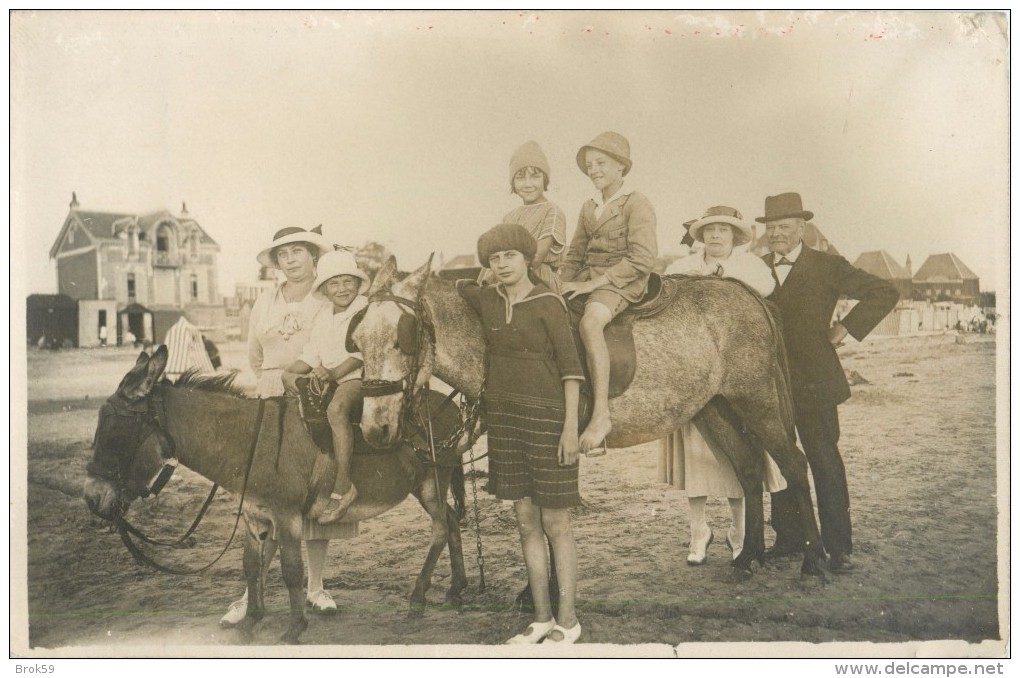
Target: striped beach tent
[(186, 350)]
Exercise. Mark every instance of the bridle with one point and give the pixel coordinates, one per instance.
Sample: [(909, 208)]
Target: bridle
[(148, 411), (416, 336)]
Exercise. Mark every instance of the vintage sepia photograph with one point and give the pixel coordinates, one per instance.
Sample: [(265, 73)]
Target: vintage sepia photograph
[(492, 334)]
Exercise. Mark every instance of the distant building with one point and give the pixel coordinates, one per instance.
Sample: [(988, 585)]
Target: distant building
[(460, 266), (813, 238), (880, 264), (136, 272), (240, 305), (52, 320), (943, 277)]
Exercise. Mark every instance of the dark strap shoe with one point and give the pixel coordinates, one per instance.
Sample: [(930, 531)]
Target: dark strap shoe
[(840, 563)]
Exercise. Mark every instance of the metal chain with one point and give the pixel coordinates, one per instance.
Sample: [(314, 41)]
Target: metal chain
[(474, 499), (468, 424)]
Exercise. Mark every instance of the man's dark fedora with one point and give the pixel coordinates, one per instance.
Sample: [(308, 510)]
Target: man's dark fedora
[(784, 206)]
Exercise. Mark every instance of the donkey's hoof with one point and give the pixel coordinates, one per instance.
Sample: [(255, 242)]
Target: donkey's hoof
[(247, 634), (812, 567), (294, 631), (742, 563), (741, 572), (417, 609), (454, 599)]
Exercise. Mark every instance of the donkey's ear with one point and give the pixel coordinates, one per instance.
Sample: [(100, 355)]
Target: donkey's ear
[(158, 363), (414, 284), (383, 277), (144, 375), (134, 376)]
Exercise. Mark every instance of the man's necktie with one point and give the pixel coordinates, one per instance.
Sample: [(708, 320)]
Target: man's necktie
[(783, 261)]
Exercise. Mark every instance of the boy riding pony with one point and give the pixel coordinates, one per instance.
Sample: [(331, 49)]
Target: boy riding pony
[(610, 260)]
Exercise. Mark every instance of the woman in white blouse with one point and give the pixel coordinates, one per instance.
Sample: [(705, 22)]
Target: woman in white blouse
[(280, 327), (703, 472)]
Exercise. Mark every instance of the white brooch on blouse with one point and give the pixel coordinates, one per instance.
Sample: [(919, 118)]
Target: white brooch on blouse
[(291, 324)]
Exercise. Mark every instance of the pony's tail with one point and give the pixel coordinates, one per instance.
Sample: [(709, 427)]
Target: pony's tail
[(780, 366), (457, 490), (781, 374)]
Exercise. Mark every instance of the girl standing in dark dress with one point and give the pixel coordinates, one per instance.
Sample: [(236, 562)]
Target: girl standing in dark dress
[(531, 393)]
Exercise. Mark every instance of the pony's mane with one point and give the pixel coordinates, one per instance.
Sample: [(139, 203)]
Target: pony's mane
[(221, 382)]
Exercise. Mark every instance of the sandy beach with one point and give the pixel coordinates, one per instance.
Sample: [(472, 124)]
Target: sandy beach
[(919, 442)]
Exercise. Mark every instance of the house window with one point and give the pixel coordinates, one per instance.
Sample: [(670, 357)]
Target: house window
[(194, 244), (163, 239), (194, 287), (131, 287)]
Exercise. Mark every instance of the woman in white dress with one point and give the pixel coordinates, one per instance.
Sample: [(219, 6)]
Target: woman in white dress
[(703, 472), (279, 328)]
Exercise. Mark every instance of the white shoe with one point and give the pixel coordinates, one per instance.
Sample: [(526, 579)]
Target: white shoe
[(321, 601), (699, 552), (534, 634), (737, 547), (236, 612), (570, 635)]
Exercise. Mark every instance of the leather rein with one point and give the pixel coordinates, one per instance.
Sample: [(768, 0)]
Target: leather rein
[(168, 449), (411, 407)]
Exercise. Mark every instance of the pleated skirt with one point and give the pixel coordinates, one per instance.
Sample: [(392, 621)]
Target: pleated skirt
[(524, 436)]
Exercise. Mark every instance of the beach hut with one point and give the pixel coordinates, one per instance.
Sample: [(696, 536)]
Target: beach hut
[(52, 320)]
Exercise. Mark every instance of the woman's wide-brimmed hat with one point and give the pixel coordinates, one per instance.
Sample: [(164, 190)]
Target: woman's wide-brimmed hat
[(721, 214), (506, 237), (289, 236), (612, 144), (339, 262), (784, 206), (528, 155)]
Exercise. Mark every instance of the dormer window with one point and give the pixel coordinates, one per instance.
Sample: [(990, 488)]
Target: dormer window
[(163, 235), (166, 246)]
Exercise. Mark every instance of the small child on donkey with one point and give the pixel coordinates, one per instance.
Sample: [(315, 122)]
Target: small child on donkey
[(610, 259), (325, 356)]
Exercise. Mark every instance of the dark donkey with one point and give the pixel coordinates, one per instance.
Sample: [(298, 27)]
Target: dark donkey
[(261, 449)]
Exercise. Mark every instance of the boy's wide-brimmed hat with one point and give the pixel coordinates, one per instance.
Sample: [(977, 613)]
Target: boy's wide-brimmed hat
[(528, 155), (289, 236), (339, 262), (612, 144), (784, 206), (506, 237), (721, 214)]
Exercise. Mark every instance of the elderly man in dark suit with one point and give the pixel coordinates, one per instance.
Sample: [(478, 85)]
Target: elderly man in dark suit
[(809, 285)]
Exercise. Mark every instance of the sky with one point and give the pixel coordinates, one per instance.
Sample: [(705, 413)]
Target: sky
[(398, 127)]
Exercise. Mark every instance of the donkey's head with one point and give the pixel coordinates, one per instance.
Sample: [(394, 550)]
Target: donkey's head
[(397, 344), (128, 443)]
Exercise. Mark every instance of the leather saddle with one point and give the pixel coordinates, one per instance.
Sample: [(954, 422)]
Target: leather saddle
[(620, 333), (313, 399)]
